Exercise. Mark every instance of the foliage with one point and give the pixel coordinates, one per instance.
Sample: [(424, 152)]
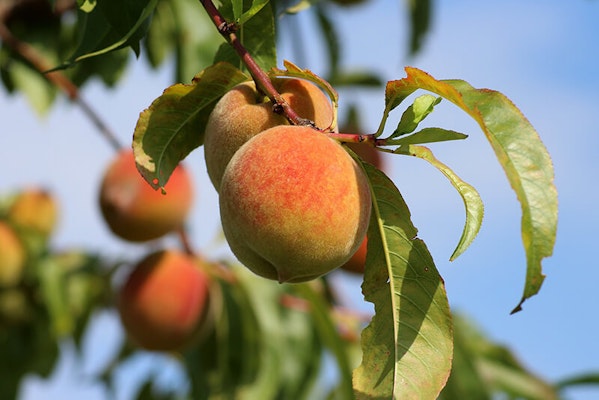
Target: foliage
[(267, 340)]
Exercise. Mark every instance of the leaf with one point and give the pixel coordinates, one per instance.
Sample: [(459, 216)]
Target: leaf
[(331, 39), (428, 135), (420, 15), (112, 25), (257, 5), (173, 125), (499, 368), (321, 315), (472, 201), (408, 346), (415, 113), (583, 379), (256, 34), (195, 39), (520, 152)]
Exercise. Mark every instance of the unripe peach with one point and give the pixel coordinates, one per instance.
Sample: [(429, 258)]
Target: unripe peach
[(12, 256), (136, 212), (164, 300), (34, 210), (294, 205), (243, 112)]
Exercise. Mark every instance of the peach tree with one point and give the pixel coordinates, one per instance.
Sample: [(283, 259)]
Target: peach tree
[(298, 198)]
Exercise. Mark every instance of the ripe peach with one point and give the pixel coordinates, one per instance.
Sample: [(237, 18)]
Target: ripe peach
[(164, 300), (12, 256), (294, 205), (136, 212), (243, 112), (34, 210)]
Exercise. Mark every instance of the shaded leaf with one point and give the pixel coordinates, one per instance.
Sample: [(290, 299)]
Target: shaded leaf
[(173, 125), (520, 152), (578, 380), (420, 16), (407, 348), (256, 34), (472, 201), (322, 317), (112, 25)]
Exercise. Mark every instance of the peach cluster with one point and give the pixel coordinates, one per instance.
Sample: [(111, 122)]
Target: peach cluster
[(294, 205)]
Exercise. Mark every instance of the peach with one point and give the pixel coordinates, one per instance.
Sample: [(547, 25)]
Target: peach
[(34, 210), (243, 112), (164, 300), (294, 205), (12, 256), (136, 212)]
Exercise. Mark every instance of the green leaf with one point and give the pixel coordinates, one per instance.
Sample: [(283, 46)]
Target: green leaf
[(256, 34), (472, 201), (520, 152), (499, 368), (465, 380), (415, 113), (257, 5), (420, 15), (408, 346), (428, 135), (321, 315), (195, 39), (355, 78), (86, 5), (331, 39), (173, 125), (583, 379), (112, 25)]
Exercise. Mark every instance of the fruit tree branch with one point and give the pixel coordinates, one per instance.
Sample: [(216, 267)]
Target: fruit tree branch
[(57, 78)]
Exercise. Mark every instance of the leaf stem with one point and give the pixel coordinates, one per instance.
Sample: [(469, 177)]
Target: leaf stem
[(228, 31)]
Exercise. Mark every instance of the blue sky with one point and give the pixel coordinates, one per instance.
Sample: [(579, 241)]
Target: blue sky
[(543, 56)]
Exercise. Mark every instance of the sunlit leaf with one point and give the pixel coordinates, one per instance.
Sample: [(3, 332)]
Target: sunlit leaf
[(472, 201), (173, 125), (415, 113), (408, 346), (428, 135), (520, 152)]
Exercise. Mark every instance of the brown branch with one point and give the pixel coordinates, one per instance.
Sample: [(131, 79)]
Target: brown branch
[(57, 78), (263, 82)]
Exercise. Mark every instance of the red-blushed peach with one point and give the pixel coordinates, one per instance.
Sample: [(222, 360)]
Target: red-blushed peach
[(136, 212), (294, 205), (243, 112), (164, 300), (12, 256)]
